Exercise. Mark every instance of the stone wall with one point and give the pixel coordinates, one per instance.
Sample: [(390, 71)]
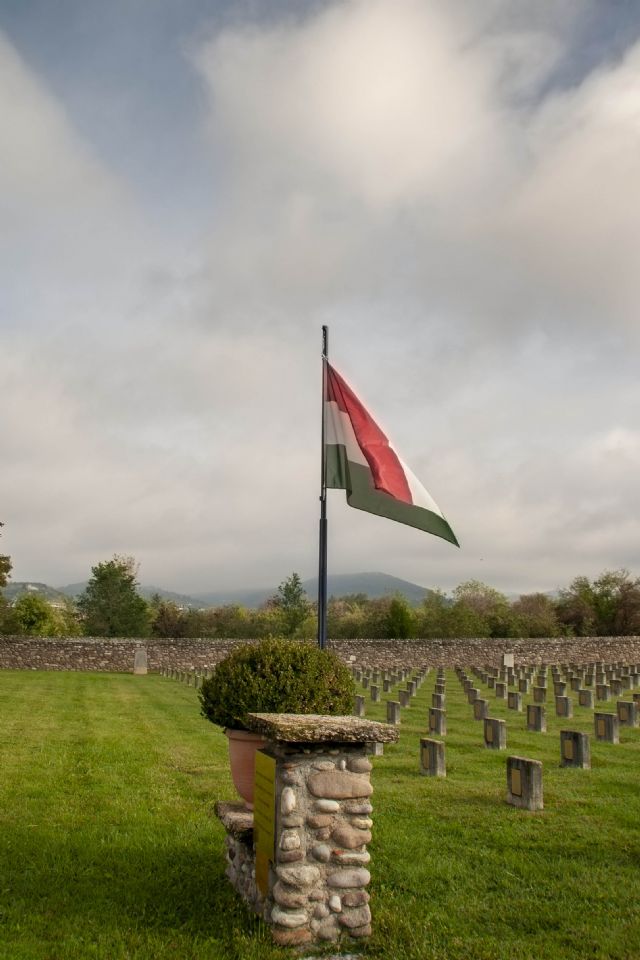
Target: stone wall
[(117, 655)]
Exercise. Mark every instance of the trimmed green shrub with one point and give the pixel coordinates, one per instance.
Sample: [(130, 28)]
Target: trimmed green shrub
[(276, 676)]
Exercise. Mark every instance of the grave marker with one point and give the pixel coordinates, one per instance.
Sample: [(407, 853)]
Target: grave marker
[(432, 758), (524, 783), (575, 749)]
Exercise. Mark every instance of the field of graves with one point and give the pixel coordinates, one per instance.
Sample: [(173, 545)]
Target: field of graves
[(109, 847)]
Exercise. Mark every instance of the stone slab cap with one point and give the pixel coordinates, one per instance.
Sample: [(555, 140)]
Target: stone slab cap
[(317, 728), (236, 819)]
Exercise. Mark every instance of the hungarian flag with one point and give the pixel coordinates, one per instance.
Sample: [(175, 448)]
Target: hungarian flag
[(360, 460)]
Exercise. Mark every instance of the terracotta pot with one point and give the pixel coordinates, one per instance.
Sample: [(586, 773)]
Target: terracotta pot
[(242, 754)]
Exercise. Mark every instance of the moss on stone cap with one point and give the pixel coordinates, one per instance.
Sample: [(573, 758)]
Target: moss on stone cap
[(317, 728)]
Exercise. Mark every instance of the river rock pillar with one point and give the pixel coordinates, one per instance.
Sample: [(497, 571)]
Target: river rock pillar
[(304, 863)]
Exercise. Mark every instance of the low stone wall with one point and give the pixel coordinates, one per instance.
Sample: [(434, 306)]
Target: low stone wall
[(117, 655)]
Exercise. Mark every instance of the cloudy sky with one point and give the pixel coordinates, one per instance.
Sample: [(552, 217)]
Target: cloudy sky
[(189, 189)]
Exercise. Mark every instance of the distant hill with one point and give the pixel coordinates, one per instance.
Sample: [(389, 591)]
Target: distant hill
[(339, 585), (19, 588), (75, 589)]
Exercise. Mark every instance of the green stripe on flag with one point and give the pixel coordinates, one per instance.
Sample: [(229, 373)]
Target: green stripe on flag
[(356, 479)]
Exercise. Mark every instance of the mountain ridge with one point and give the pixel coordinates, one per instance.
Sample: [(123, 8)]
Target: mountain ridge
[(373, 584)]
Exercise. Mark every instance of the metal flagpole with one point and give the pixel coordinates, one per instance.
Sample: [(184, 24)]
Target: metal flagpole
[(322, 561)]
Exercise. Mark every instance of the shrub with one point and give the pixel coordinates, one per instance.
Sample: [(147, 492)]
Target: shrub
[(276, 676)]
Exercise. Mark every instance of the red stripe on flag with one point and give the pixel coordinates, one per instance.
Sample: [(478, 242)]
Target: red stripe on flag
[(387, 471)]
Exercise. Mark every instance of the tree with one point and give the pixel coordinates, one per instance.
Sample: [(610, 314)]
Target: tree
[(537, 615), (167, 619), (607, 606), (111, 605), (292, 604), (399, 618), (489, 605), (5, 570)]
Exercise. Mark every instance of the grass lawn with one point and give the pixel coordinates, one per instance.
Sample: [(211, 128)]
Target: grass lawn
[(109, 847)]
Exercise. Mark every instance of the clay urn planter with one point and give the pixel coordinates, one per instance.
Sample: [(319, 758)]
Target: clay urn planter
[(243, 745), (273, 676)]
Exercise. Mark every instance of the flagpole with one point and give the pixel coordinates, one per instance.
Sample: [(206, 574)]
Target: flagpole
[(322, 560)]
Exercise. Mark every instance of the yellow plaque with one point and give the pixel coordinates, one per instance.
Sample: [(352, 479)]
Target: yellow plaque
[(262, 873), (516, 782), (623, 713), (488, 733), (602, 727), (432, 721), (568, 749), (264, 817), (426, 758)]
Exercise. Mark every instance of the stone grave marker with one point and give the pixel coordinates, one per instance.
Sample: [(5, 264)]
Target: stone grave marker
[(603, 692), (585, 697), (524, 783), (501, 690), (575, 749), (358, 706), (393, 711), (480, 709), (607, 727), (627, 713), (437, 721), (495, 734), (514, 700), (564, 707), (404, 697), (540, 694), (432, 758), (536, 718), (140, 666)]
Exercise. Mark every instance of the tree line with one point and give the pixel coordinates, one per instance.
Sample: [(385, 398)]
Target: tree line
[(111, 606)]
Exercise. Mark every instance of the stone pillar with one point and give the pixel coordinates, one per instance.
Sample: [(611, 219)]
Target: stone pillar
[(603, 692), (375, 693), (438, 700), (575, 750), (501, 690), (300, 860), (559, 688), (495, 734), (432, 758), (524, 783), (358, 706), (404, 698)]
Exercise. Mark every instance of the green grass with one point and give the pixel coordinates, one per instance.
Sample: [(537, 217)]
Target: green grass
[(109, 847)]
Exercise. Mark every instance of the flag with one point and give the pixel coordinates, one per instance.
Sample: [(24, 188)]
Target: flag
[(360, 460)]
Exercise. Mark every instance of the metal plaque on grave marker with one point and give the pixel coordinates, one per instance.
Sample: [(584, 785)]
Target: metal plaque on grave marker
[(264, 817), (489, 732), (568, 749), (516, 782), (602, 728)]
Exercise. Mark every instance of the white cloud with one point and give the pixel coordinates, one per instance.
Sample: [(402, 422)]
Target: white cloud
[(392, 168)]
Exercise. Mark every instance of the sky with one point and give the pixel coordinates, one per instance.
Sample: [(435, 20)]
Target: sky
[(190, 189)]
